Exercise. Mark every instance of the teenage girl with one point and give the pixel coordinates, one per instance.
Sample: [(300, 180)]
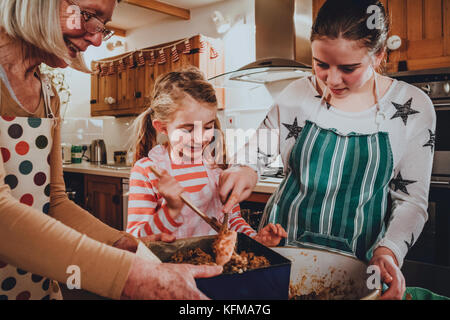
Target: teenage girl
[(349, 136)]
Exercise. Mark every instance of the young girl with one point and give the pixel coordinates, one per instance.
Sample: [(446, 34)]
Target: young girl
[(349, 137), (183, 108)]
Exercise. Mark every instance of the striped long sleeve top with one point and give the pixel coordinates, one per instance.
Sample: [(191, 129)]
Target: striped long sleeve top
[(147, 210)]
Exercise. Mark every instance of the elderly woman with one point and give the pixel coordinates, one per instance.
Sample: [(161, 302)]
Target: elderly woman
[(42, 233)]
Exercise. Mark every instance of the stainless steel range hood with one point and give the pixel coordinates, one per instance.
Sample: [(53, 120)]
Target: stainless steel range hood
[(283, 49)]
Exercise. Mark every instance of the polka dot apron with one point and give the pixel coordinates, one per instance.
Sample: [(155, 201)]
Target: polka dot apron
[(25, 145)]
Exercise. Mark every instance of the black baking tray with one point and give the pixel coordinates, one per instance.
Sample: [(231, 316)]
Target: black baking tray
[(270, 282)]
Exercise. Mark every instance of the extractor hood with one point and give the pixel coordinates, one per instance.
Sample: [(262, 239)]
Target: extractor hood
[(283, 49)]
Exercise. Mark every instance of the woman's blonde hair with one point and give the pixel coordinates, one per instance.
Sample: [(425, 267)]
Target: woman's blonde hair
[(169, 91), (37, 24)]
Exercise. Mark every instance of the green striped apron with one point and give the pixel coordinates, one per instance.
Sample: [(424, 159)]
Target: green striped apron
[(335, 194)]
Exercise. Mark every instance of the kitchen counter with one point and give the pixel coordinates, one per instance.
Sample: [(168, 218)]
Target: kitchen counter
[(106, 170), (265, 185)]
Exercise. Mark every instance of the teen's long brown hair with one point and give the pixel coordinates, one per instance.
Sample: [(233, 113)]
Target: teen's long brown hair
[(169, 91), (354, 20)]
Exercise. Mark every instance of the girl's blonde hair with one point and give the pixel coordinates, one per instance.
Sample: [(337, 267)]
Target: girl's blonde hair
[(37, 24), (169, 91)]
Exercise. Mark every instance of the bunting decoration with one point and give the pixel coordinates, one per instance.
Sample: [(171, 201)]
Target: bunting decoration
[(152, 59), (111, 68), (162, 57), (213, 53), (175, 56), (203, 46), (122, 66), (103, 69), (96, 69), (152, 56), (141, 59), (131, 61), (187, 46)]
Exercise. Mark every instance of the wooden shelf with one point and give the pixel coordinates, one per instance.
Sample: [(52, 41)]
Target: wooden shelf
[(162, 7)]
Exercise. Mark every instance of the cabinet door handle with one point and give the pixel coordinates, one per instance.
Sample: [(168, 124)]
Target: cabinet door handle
[(138, 94), (88, 207), (110, 100), (394, 42)]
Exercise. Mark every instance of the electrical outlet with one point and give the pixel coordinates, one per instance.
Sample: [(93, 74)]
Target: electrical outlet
[(231, 122)]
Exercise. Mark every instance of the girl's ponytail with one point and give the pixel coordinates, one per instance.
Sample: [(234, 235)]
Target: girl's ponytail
[(146, 135)]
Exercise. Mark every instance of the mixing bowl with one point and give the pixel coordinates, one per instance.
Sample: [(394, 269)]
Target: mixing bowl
[(323, 275)]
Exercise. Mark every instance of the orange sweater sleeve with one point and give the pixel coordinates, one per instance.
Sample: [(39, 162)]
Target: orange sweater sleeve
[(66, 211)]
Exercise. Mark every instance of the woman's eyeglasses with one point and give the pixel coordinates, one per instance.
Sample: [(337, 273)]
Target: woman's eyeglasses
[(92, 23)]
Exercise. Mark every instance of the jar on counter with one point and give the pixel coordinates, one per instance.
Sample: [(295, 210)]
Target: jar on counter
[(77, 154), (66, 149), (120, 157)]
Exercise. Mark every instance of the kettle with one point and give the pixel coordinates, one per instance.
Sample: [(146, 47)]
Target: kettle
[(98, 152)]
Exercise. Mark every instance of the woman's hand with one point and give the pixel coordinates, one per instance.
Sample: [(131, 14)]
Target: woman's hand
[(390, 273), (271, 235), (150, 280), (235, 185), (127, 242), (171, 190)]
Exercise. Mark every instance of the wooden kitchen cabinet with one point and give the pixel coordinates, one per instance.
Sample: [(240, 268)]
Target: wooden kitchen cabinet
[(131, 87), (103, 87), (259, 197), (423, 26), (104, 199)]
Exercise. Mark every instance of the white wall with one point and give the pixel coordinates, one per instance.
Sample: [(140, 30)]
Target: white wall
[(242, 34)]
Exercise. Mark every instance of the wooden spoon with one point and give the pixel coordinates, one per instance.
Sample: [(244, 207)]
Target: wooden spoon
[(211, 221)]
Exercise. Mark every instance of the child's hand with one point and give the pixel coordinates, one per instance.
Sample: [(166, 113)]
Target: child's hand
[(164, 237), (171, 190), (271, 235)]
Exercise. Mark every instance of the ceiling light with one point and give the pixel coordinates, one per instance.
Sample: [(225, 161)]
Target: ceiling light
[(111, 45), (222, 24)]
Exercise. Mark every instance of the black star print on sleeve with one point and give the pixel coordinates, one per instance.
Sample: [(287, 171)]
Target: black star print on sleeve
[(294, 129), (400, 184), (404, 111), (410, 244), (432, 141)]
